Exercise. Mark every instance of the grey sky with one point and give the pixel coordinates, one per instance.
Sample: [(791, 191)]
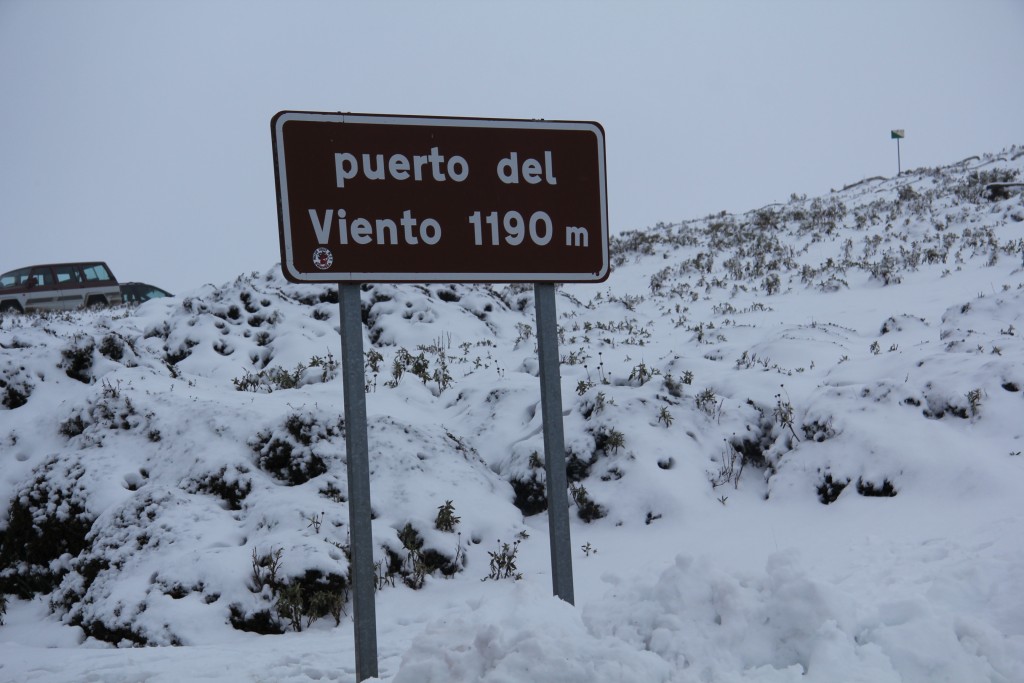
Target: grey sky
[(139, 132)]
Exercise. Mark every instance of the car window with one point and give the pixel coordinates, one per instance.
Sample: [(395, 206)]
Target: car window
[(148, 293), (42, 276), (15, 278), (66, 273), (94, 272), (136, 292)]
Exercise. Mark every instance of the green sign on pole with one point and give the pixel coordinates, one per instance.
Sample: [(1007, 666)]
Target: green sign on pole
[(898, 135)]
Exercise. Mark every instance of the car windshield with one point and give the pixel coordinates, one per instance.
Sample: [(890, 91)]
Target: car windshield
[(14, 278)]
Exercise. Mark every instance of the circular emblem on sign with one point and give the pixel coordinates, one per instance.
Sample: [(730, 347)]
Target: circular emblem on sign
[(323, 258)]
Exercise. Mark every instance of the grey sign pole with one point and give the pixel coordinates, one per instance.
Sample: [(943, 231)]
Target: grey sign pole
[(364, 613), (554, 441)]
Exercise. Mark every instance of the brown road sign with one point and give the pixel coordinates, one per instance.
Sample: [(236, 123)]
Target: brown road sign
[(373, 198)]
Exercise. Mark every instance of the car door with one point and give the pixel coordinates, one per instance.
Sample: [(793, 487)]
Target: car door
[(43, 290), (99, 284), (69, 279)]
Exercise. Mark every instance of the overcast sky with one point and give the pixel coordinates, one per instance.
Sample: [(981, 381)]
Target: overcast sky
[(138, 132)]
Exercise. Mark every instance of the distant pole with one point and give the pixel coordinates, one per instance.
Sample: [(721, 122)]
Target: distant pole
[(898, 135)]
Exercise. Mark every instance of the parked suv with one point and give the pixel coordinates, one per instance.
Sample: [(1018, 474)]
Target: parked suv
[(59, 287)]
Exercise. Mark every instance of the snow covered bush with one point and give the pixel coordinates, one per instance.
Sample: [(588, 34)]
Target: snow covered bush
[(446, 519), (16, 391), (421, 561), (530, 493), (77, 358), (586, 508), (111, 410), (297, 602), (231, 483), (503, 562), (295, 451), (46, 525), (119, 348), (140, 537)]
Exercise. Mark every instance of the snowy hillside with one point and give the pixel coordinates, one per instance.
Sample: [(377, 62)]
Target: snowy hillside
[(794, 435)]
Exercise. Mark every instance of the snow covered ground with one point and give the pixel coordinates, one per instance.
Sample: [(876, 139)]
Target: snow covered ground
[(795, 440)]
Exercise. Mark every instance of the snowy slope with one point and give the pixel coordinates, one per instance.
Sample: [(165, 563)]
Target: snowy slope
[(794, 437)]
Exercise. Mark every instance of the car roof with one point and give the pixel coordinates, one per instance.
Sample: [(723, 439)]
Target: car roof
[(62, 263)]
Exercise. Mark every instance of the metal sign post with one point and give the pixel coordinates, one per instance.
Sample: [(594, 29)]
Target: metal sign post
[(554, 442), (364, 611), (372, 198)]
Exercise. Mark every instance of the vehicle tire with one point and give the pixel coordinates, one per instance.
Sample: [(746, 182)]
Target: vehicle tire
[(10, 307), (96, 302)]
